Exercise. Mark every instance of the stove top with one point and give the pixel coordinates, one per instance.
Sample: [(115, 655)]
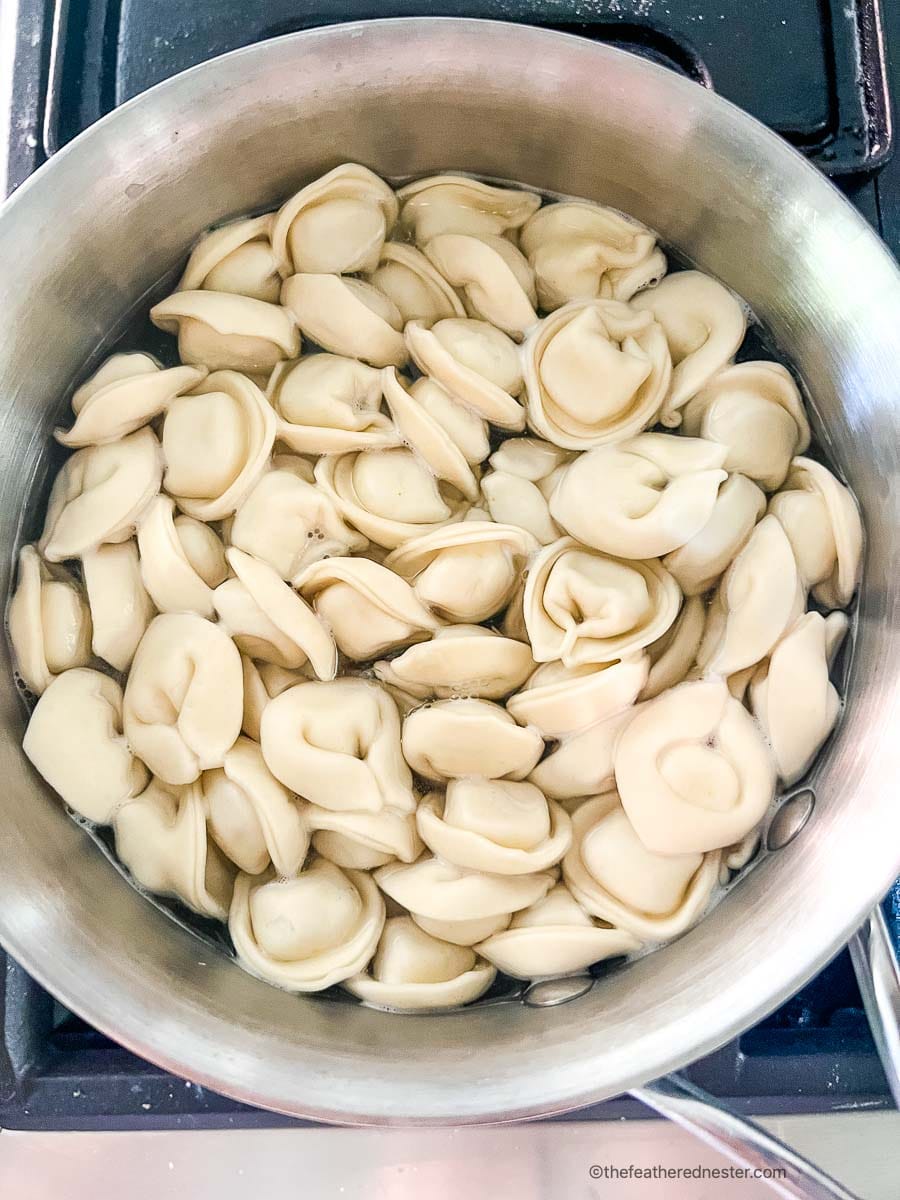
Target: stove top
[(822, 73)]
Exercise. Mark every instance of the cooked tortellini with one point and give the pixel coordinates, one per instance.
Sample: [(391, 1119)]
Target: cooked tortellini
[(128, 391), (338, 745), (693, 770), (823, 525), (555, 936), (389, 495), (253, 818), (453, 739), (586, 252), (183, 702), (224, 331), (49, 622), (418, 290), (328, 404), (269, 621), (456, 204), (582, 607), (475, 362), (287, 522), (75, 740), (460, 661), (99, 494), (368, 608), (309, 932), (505, 827), (755, 410), (465, 572), (348, 317), (236, 257), (121, 609), (336, 225), (611, 872), (413, 970), (596, 371), (229, 417), (761, 595), (494, 277), (642, 498), (182, 559), (407, 696), (517, 491), (704, 324), (793, 699), (162, 838)]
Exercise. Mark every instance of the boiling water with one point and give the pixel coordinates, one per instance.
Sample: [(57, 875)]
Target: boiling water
[(136, 332)]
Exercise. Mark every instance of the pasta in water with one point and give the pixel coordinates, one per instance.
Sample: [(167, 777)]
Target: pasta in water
[(444, 603)]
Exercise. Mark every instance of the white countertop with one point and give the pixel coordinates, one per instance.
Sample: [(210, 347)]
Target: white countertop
[(527, 1162)]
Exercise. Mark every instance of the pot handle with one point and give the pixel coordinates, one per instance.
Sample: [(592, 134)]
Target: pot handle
[(739, 1139), (50, 130), (878, 976)]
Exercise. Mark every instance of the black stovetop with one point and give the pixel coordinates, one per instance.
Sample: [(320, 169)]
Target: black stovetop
[(818, 72)]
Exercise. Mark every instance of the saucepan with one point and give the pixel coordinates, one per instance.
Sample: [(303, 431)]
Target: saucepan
[(116, 210)]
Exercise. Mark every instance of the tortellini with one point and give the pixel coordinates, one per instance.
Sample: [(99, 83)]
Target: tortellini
[(413, 970), (338, 745), (236, 257), (753, 409), (336, 225), (585, 607), (121, 609), (704, 324), (465, 572), (596, 371), (642, 498), (224, 331), (74, 739), (253, 818), (586, 252), (456, 204), (183, 702), (128, 391), (99, 494), (328, 404), (182, 560), (426, 436), (419, 292), (792, 697), (406, 695), (504, 827), (306, 933), (348, 317), (822, 522), (614, 876), (453, 739), (390, 495), (693, 770), (494, 277), (162, 839), (368, 608), (49, 623), (760, 596), (229, 417), (460, 661), (269, 621), (517, 490), (475, 362), (440, 894), (555, 936), (287, 522)]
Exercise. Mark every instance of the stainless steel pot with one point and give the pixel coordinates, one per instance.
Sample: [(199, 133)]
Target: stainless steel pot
[(85, 238)]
